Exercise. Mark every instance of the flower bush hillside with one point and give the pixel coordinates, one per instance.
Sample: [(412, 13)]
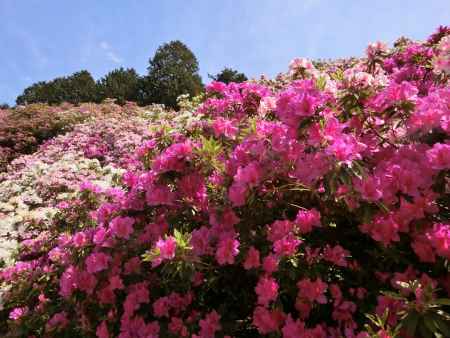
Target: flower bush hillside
[(312, 205), (24, 128), (98, 151)]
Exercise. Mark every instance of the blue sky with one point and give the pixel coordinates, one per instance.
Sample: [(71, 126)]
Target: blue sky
[(43, 39)]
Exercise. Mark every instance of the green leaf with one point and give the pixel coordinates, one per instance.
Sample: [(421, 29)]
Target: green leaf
[(321, 82), (442, 324), (442, 301), (393, 295), (424, 332), (410, 323), (430, 323), (178, 236)]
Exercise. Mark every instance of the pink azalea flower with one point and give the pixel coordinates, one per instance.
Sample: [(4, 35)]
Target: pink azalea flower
[(287, 246), (68, 281), (159, 195), (252, 259), (307, 219), (267, 321), (96, 262), (200, 241), (279, 229), (439, 237), (102, 330), (312, 291), (122, 227), (224, 127), (237, 194), (80, 239), (270, 263), (337, 255), (58, 320), (227, 249), (293, 329), (267, 290), (18, 313), (161, 307), (210, 325), (167, 247), (439, 156)]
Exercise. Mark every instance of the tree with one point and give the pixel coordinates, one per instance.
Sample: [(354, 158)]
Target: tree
[(4, 106), (121, 84), (173, 71), (33, 94), (228, 75), (79, 87), (76, 88)]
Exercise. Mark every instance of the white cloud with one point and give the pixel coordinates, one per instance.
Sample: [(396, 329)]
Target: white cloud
[(113, 57), (110, 54), (104, 45)]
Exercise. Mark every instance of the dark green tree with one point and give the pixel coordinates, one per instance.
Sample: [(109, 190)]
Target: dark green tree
[(34, 93), (4, 106), (79, 87), (173, 71), (228, 75), (76, 88), (120, 84)]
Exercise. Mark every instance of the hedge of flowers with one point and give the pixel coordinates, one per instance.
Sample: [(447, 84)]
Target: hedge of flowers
[(313, 205), (97, 151), (24, 128)]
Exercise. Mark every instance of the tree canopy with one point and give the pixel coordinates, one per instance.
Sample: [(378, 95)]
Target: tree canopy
[(121, 84), (228, 75), (172, 71), (76, 88)]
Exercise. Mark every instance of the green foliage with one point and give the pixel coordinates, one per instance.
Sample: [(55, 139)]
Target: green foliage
[(173, 71), (76, 88), (228, 75), (120, 84), (382, 328), (424, 316), (209, 153), (186, 103)]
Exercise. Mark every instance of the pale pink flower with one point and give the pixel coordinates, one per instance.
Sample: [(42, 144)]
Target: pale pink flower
[(18, 313)]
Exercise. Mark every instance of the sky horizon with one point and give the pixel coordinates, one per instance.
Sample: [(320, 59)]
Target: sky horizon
[(45, 39)]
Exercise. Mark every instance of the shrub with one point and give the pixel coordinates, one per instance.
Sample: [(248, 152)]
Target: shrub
[(98, 151), (315, 205), (24, 128)]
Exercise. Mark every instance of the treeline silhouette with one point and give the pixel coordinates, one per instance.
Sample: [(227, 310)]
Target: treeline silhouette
[(172, 71)]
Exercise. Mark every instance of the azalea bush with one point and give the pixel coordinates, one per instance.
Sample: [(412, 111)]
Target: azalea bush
[(311, 205), (24, 128), (98, 150)]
